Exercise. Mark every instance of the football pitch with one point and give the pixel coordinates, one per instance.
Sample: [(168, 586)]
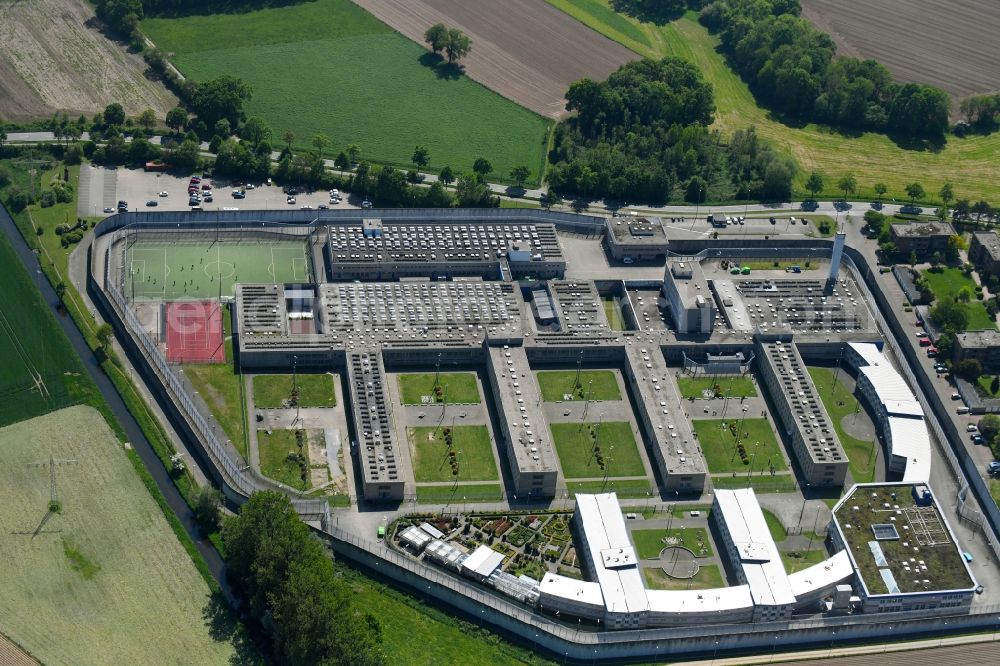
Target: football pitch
[(177, 271)]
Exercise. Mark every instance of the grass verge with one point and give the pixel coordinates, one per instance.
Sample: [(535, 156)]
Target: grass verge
[(272, 391)]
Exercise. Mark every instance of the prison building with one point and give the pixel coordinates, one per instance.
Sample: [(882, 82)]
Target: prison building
[(897, 413), (659, 411), (523, 432), (817, 449), (382, 473), (378, 250), (579, 307), (688, 298), (635, 239)]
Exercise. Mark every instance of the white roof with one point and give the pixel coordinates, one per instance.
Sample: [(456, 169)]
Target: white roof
[(604, 530), (869, 351), (415, 536), (483, 560), (571, 589), (760, 559), (700, 601), (911, 440), (826, 574)]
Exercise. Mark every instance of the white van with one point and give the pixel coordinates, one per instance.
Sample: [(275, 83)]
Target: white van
[(962, 410)]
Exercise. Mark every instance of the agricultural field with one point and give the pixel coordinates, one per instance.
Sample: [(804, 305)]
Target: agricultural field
[(103, 579), (525, 50), (39, 372), (274, 391), (555, 385), (329, 66), (950, 45), (53, 58), (473, 454), (969, 163), (455, 388), (575, 447)]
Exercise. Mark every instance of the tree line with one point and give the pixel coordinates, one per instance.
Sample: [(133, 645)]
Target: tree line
[(792, 67), (642, 135)]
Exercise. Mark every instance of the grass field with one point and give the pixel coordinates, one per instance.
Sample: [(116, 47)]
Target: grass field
[(984, 384), (271, 391), (557, 384), (274, 462), (779, 483), (649, 543), (105, 580), (708, 577), (614, 314), (456, 387), (39, 371), (732, 386), (947, 282), (199, 270), (624, 488), (774, 526), (719, 446), (841, 403), (328, 66), (969, 163), (574, 444), (220, 387), (473, 452), (802, 559), (457, 492)]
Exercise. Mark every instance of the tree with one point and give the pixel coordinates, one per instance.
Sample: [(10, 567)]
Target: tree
[(122, 15), (353, 150), (914, 191), (105, 334), (918, 110), (114, 114), (206, 508), (472, 192), (947, 194), (989, 425), (221, 97), (814, 184), (289, 138), (255, 131), (482, 167), (342, 161), (847, 184), (177, 118), (447, 176), (880, 190), (147, 120), (437, 37), (421, 156), (519, 174), (949, 316), (185, 156), (458, 45), (321, 141), (550, 199), (222, 128), (913, 259), (970, 369)]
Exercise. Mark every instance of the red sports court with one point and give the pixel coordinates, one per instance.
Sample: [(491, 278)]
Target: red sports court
[(194, 332)]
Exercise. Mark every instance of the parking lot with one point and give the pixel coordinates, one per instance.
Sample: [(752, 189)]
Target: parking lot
[(138, 187)]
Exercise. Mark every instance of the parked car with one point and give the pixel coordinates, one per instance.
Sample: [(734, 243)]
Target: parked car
[(237, 194), (971, 428), (993, 468), (977, 439), (164, 193), (109, 209), (956, 396), (291, 201), (366, 204), (152, 202), (323, 207)]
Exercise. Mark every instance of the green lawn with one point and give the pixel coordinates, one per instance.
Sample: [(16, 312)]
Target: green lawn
[(272, 391), (614, 314), (599, 384), (969, 163), (733, 386), (947, 282), (456, 387), (221, 389), (802, 559), (274, 462), (719, 446), (457, 492), (624, 488), (779, 483), (841, 403), (995, 490), (649, 543), (708, 577), (473, 452), (774, 526), (575, 445), (329, 66), (985, 384)]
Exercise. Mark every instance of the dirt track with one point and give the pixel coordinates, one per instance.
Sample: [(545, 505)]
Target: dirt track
[(50, 59), (526, 50), (951, 44)]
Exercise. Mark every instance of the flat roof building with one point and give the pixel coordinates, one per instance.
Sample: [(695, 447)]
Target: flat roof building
[(815, 443), (635, 238), (982, 346), (984, 252), (382, 468), (924, 238), (688, 298)]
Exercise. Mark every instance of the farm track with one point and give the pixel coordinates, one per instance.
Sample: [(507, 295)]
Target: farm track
[(951, 45), (525, 50), (53, 58)]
